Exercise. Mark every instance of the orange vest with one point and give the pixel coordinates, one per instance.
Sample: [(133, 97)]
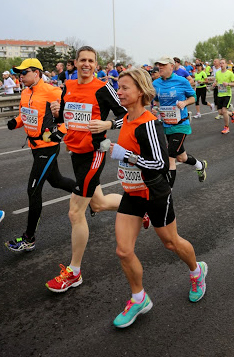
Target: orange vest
[(128, 140), (35, 114), (82, 141)]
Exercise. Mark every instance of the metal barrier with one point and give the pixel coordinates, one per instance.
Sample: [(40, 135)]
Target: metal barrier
[(9, 105)]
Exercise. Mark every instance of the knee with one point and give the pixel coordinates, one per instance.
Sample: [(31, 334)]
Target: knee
[(180, 159), (170, 246), (75, 215), (124, 254)]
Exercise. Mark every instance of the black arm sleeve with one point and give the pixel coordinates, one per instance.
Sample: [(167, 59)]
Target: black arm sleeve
[(62, 104), (108, 100), (153, 155)]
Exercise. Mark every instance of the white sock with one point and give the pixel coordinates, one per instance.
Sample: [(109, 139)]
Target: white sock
[(76, 270), (139, 296), (198, 165), (195, 272)]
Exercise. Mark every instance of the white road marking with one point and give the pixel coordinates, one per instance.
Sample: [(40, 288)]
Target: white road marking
[(63, 198)]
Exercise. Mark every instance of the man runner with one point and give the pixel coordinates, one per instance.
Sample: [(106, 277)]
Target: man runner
[(36, 117), (84, 108)]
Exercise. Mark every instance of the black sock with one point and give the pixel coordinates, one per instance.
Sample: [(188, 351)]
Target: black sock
[(172, 176), (190, 160)]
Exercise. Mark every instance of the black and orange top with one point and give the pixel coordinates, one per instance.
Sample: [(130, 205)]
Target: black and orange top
[(35, 114), (144, 137), (81, 103)]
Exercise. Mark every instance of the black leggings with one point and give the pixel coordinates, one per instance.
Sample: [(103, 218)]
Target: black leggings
[(45, 167), (201, 92)]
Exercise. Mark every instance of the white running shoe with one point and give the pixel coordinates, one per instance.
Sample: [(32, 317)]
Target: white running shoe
[(212, 107), (198, 115)]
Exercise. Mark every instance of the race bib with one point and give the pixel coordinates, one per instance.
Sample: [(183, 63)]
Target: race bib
[(222, 88), (29, 117), (170, 114), (131, 178), (77, 116)]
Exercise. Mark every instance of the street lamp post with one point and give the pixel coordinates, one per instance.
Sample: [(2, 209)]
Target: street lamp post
[(113, 1)]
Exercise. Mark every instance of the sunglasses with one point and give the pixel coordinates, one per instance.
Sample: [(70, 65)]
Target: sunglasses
[(24, 72)]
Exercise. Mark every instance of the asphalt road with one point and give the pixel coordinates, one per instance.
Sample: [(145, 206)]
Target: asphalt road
[(36, 322)]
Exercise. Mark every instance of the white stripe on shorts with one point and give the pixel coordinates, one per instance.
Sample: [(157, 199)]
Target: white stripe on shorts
[(168, 203)]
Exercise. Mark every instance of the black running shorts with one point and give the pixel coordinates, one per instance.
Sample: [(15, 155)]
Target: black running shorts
[(160, 211), (224, 102), (175, 144), (87, 169)]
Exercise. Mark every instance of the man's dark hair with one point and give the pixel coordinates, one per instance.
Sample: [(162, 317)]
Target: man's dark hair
[(86, 48), (176, 59), (71, 61)]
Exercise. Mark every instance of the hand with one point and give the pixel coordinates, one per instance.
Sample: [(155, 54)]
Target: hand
[(55, 107), (111, 148), (225, 84), (117, 152), (181, 104), (11, 124), (98, 126), (56, 136)]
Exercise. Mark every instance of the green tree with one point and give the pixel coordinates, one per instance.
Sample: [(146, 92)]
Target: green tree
[(108, 56), (7, 63), (73, 43), (49, 57), (217, 46), (206, 51)]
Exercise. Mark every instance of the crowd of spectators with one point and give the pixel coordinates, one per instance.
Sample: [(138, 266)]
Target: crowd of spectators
[(11, 82)]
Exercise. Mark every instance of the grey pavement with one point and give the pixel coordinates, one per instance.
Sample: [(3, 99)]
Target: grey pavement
[(37, 322)]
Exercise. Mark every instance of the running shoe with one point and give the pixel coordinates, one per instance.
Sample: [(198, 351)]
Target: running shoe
[(64, 281), (92, 213), (202, 173), (146, 221), (231, 107), (232, 117), (21, 244), (198, 287), (219, 117), (198, 115), (131, 311), (2, 215), (212, 107), (225, 130)]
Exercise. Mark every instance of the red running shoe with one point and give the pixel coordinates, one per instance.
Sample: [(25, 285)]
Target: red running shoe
[(64, 281), (146, 221)]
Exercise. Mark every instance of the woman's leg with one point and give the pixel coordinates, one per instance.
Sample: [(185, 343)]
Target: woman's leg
[(127, 228), (172, 241)]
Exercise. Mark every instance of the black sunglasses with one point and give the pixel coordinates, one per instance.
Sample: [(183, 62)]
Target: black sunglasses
[(24, 72)]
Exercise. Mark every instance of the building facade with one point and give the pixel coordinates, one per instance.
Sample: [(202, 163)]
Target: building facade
[(27, 49)]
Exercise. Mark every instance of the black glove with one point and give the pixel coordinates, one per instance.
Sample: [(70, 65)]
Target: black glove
[(11, 124), (56, 136)]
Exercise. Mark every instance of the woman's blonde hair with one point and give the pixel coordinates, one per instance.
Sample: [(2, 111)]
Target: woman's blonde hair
[(143, 81)]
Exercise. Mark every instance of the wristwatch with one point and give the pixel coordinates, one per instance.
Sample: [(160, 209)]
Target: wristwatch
[(132, 159), (113, 123)]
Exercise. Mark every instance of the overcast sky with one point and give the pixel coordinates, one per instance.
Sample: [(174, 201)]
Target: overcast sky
[(146, 29)]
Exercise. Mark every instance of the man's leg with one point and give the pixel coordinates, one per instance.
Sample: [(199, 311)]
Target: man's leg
[(80, 229), (100, 203), (198, 164)]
